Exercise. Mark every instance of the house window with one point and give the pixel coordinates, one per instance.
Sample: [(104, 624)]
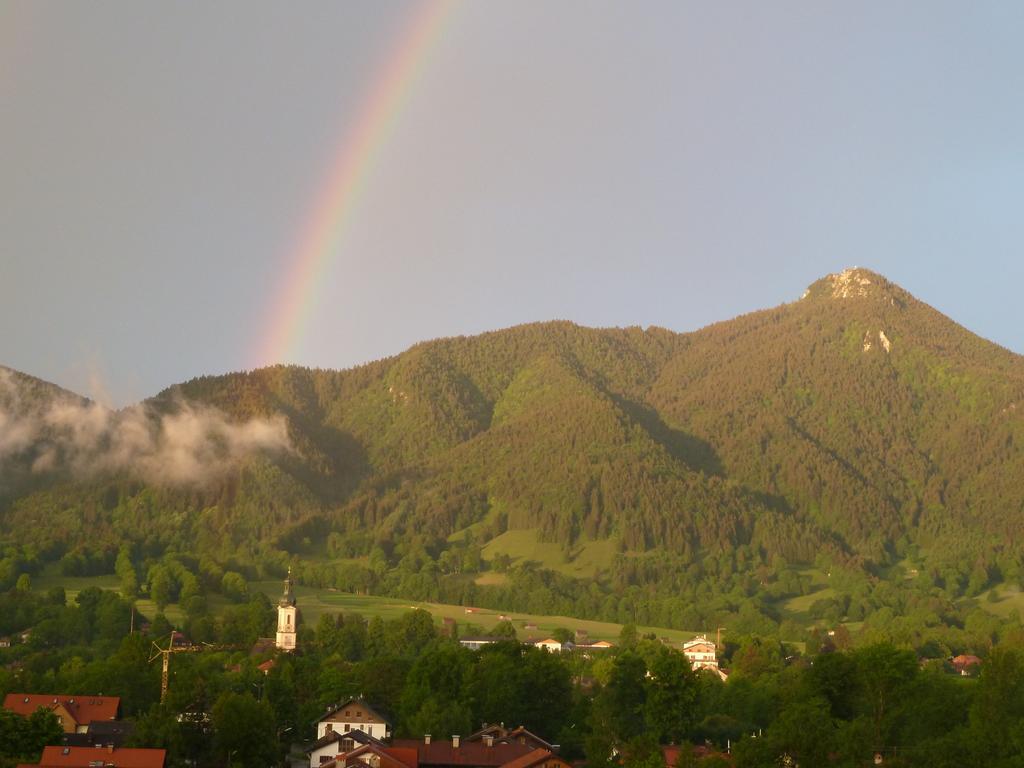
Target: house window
[(325, 759), (330, 728), (347, 727)]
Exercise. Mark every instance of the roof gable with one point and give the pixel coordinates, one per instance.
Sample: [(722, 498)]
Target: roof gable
[(366, 713)]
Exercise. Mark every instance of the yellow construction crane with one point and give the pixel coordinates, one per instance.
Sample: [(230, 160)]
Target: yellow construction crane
[(166, 654)]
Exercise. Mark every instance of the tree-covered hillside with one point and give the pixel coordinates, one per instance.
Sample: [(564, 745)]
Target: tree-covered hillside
[(852, 429)]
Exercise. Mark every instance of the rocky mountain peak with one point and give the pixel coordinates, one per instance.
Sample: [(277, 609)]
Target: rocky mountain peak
[(856, 283)]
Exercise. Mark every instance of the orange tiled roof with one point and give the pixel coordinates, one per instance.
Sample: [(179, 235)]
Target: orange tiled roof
[(84, 709), (95, 757)]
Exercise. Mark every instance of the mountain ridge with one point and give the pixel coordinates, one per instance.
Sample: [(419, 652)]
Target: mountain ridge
[(856, 426)]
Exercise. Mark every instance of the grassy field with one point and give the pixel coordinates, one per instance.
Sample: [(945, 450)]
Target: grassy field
[(799, 605), (1010, 597), (313, 603), (583, 561)]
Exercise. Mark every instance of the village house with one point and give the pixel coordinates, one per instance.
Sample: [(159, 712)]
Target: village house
[(346, 727), (551, 645), (99, 757), (702, 654), (74, 712)]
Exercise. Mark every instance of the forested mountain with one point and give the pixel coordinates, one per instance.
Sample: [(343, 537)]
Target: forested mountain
[(853, 427)]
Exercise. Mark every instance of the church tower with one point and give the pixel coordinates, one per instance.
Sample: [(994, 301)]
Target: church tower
[(287, 617)]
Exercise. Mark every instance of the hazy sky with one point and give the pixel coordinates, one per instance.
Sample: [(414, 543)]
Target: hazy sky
[(621, 163)]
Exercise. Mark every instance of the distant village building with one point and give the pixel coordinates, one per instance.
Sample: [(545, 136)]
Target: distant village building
[(552, 645), (75, 713), (599, 645), (287, 617), (702, 654), (478, 642), (966, 664)]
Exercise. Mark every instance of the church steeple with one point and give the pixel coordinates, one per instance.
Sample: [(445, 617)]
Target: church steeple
[(287, 616), (288, 598)]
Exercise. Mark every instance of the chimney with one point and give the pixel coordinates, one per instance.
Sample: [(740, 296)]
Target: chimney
[(455, 742), (489, 740), (110, 749), (426, 738)]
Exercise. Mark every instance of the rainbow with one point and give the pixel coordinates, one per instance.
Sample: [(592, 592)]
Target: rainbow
[(322, 237)]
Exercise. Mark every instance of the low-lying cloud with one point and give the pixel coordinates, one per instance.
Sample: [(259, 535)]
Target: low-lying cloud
[(191, 445)]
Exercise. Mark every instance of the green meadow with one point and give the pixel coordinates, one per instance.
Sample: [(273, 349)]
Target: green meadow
[(313, 603)]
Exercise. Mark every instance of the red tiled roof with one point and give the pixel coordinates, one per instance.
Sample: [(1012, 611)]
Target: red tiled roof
[(531, 758), (966, 660), (409, 757), (84, 757), (84, 709), (473, 753)]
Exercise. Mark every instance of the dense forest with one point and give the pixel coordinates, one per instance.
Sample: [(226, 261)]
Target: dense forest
[(856, 433)]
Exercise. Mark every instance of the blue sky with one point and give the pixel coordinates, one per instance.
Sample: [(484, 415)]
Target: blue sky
[(613, 163)]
